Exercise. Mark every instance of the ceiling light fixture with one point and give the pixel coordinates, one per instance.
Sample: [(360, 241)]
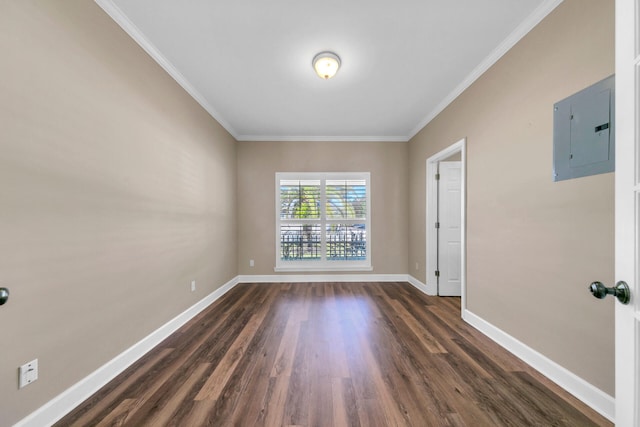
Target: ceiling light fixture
[(326, 64)]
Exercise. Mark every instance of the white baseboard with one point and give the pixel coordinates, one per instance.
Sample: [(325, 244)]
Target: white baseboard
[(291, 278), (587, 393), (429, 290), (65, 402)]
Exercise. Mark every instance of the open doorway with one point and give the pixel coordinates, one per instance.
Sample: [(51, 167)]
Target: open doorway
[(446, 224)]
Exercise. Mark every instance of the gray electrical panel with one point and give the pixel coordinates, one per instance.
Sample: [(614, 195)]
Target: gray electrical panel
[(583, 132)]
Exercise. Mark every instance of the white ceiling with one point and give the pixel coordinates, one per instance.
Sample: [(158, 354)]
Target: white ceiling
[(248, 62)]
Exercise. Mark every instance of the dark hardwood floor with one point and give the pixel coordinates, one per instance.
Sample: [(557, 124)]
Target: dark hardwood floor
[(330, 354)]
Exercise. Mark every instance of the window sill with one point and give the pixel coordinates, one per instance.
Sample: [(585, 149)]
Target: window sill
[(321, 268)]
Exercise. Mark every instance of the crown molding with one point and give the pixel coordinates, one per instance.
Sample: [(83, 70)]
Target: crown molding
[(307, 138), (111, 9), (522, 30)]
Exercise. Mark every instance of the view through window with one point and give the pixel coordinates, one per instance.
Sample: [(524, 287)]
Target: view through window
[(323, 221)]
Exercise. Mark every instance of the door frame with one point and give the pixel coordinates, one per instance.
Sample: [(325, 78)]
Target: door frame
[(627, 190), (431, 215)]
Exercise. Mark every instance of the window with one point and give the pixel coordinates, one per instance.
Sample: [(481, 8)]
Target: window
[(323, 221)]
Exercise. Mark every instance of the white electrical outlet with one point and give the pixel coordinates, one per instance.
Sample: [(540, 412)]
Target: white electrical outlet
[(193, 285), (28, 373), (251, 263), (417, 266)]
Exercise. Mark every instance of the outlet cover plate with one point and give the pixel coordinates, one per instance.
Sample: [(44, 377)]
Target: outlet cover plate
[(28, 373)]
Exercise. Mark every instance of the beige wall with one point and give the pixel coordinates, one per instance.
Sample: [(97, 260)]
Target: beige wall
[(258, 163), (533, 245), (116, 190)]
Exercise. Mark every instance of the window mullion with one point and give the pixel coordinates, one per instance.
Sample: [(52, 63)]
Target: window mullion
[(299, 221), (323, 220)]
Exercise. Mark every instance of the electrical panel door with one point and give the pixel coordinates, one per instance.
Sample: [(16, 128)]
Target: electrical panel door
[(583, 132)]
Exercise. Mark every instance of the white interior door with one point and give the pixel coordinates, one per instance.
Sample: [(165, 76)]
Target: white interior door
[(449, 232), (627, 205)]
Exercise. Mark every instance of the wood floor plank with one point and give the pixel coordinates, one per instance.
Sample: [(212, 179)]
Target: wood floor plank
[(321, 407), (250, 378), (443, 331), (255, 381), (393, 408), (330, 354), (421, 404), (198, 413), (171, 405), (297, 402), (345, 408), (272, 412), (370, 413), (456, 399), (286, 351), (100, 408), (118, 416), (213, 387), (338, 361), (201, 348), (428, 341), (506, 361)]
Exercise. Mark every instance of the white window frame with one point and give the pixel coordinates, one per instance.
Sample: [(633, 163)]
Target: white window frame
[(323, 264)]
